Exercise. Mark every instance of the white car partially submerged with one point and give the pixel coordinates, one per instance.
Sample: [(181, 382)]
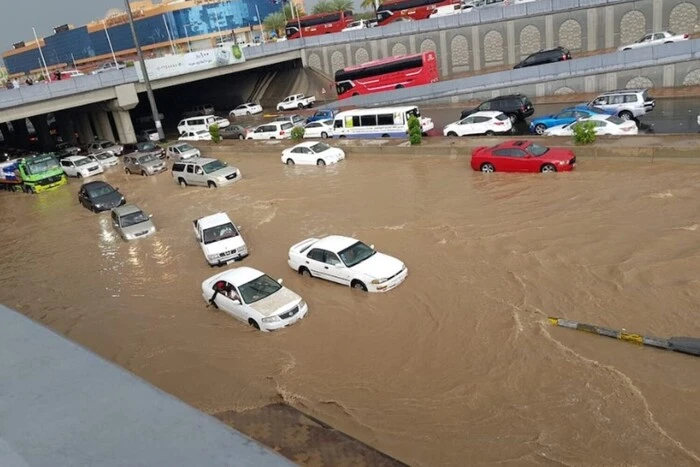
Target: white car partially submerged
[(199, 135), (254, 298), (319, 129), (104, 159), (480, 123), (347, 261), (249, 108), (221, 241), (605, 125), (312, 153), (80, 166)]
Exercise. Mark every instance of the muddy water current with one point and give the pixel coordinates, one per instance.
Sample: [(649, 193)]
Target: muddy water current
[(457, 366)]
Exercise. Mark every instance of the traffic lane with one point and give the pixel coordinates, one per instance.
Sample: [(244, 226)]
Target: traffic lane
[(669, 116)]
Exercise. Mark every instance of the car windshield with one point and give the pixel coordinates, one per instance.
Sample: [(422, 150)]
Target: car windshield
[(102, 157), (356, 254), (133, 218), (146, 147), (536, 150), (320, 147), (147, 158), (615, 120), (218, 233), (259, 288), (100, 190), (82, 161), (106, 144), (44, 165), (213, 166), (184, 147)]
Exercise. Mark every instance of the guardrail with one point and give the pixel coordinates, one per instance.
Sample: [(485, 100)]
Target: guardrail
[(630, 59)]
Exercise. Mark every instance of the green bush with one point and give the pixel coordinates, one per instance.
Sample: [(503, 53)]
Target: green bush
[(298, 133), (214, 132), (584, 132), (415, 132), (129, 64)]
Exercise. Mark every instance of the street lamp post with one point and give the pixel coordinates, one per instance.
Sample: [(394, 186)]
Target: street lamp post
[(189, 46), (149, 91), (109, 41)]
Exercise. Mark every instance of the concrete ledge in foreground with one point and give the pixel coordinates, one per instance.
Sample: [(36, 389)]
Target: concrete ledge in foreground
[(61, 405), (646, 148)]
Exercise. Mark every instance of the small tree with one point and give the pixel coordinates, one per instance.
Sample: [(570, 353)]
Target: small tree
[(415, 132), (584, 132), (298, 133), (215, 133)]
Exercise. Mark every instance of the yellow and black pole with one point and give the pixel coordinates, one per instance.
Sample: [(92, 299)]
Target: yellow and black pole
[(686, 345)]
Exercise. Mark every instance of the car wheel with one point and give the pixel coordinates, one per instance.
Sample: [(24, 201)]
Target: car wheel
[(79, 175), (305, 272), (127, 171), (301, 106), (247, 113), (399, 86), (320, 162), (487, 168), (548, 168), (626, 115), (540, 129), (290, 161), (489, 133), (254, 323), (452, 133), (211, 184), (358, 285), (324, 135), (341, 136), (181, 181), (241, 136), (513, 118), (626, 48), (143, 173), (386, 135)]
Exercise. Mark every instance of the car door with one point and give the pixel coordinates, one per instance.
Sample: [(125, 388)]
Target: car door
[(69, 168), (512, 160), (335, 269), (466, 126), (312, 130), (658, 38), (481, 125), (233, 307), (198, 175), (316, 262), (564, 118), (82, 197)]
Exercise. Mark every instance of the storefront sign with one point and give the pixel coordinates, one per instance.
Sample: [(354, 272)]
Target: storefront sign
[(175, 65)]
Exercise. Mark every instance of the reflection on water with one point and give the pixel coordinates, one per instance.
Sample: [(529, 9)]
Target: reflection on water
[(458, 362)]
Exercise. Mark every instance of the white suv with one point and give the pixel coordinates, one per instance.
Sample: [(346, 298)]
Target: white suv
[(625, 103), (272, 130)]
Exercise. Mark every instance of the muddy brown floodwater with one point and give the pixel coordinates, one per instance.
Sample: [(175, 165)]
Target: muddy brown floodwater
[(455, 367)]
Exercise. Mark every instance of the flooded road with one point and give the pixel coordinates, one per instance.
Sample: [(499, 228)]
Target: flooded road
[(457, 366)]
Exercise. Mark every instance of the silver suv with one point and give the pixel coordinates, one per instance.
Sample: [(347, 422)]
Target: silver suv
[(181, 151), (625, 103), (143, 164), (204, 171)]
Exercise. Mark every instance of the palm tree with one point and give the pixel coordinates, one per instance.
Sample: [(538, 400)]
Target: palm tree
[(275, 22), (369, 4), (328, 6), (342, 5)]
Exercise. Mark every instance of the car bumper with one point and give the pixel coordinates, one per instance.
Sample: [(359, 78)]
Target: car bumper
[(157, 171), (390, 284), (40, 188), (229, 182), (231, 259), (284, 323)]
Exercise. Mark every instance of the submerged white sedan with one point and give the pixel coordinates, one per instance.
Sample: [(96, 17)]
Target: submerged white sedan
[(347, 261), (312, 153), (254, 298), (604, 125)]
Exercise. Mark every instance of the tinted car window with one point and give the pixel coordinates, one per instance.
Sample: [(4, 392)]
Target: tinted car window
[(178, 167)]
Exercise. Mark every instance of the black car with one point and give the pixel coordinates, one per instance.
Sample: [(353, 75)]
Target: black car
[(233, 132), (144, 148), (557, 54), (517, 106), (99, 196)]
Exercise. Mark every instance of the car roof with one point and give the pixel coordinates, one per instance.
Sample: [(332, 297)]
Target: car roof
[(237, 276), (517, 143), (621, 91), (198, 161), (486, 113), (599, 117), (177, 145), (213, 220), (335, 243), (95, 184), (127, 209), (74, 158)]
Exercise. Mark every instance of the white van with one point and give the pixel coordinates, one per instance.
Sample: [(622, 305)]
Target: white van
[(271, 130), (200, 123), (383, 122), (450, 10)]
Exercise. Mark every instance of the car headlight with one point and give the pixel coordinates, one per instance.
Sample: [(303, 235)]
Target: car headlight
[(271, 319), (302, 304), (212, 257), (378, 281), (562, 162), (98, 206)]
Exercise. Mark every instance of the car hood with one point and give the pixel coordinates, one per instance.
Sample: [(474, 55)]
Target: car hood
[(142, 227), (279, 302), (543, 117), (379, 266), (452, 125), (556, 155), (223, 245), (110, 200), (152, 164), (224, 172), (333, 153)]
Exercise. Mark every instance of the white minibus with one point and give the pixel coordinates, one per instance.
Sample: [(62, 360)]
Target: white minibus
[(384, 122)]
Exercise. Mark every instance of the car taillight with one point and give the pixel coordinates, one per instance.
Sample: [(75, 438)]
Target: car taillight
[(564, 57), (685, 36), (499, 123), (281, 132)]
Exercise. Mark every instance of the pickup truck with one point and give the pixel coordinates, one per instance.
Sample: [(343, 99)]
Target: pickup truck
[(221, 241), (296, 101), (322, 114)]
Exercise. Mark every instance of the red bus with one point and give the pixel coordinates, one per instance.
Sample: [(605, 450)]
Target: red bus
[(321, 23), (392, 10), (402, 71)]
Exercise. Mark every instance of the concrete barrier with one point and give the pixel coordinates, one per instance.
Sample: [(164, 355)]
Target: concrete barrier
[(646, 148)]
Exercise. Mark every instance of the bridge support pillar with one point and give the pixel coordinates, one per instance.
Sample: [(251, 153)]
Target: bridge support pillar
[(125, 128), (21, 133), (66, 126), (85, 129), (103, 127), (7, 135), (43, 133)]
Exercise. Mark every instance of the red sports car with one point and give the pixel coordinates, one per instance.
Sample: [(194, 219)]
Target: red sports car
[(522, 156)]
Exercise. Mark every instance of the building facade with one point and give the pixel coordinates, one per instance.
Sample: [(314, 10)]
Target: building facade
[(177, 25)]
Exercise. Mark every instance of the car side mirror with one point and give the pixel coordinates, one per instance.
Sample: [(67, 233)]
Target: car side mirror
[(150, 216), (280, 281), (372, 247)]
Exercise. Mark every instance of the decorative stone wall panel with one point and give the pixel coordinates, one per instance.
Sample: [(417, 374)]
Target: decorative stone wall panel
[(683, 18), (570, 35), (493, 47), (530, 40), (633, 26)]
